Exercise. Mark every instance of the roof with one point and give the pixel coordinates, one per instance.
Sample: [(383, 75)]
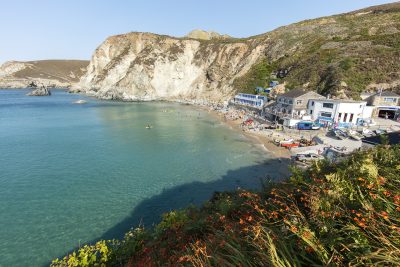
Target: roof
[(387, 93), (393, 139), (339, 101), (296, 93)]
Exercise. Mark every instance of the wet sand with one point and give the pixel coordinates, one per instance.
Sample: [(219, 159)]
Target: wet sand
[(256, 137)]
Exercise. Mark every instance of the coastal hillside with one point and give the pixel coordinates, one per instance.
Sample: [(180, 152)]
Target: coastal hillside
[(57, 73), (340, 55), (343, 214)]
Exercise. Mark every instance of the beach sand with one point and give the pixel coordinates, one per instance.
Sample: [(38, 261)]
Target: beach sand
[(256, 137)]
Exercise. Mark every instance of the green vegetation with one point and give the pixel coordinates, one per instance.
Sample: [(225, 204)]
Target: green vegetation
[(331, 214), (259, 75), (325, 54)]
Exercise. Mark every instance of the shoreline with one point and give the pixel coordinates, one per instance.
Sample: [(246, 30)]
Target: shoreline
[(254, 137), (281, 154)]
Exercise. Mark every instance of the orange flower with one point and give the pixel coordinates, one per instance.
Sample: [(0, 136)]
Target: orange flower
[(386, 193), (361, 224), (309, 249), (307, 235), (384, 214), (184, 258), (294, 229)]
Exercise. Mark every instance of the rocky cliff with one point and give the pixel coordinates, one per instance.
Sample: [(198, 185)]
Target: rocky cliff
[(53, 73), (145, 66), (340, 55)]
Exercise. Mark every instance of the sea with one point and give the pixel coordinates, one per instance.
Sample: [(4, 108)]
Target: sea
[(72, 174)]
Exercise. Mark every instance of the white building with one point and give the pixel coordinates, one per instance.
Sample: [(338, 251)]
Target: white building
[(343, 113), (256, 101)]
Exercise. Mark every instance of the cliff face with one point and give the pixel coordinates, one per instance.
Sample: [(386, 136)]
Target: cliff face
[(144, 66), (339, 55), (56, 73)]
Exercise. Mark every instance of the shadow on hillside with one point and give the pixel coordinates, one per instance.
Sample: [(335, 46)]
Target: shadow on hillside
[(149, 211)]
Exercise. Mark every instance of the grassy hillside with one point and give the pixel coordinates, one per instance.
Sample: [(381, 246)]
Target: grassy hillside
[(61, 70), (341, 55), (332, 214)]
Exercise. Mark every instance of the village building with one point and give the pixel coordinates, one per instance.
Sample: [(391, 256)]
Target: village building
[(339, 112), (255, 101), (294, 103), (386, 104)]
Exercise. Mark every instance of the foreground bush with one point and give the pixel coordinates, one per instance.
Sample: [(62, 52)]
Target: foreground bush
[(343, 214)]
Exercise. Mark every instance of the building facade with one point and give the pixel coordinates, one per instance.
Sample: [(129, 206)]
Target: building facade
[(386, 104), (294, 103), (255, 101), (342, 113)]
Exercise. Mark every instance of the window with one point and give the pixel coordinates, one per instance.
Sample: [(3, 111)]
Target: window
[(312, 103), (326, 114), (290, 101), (390, 99), (351, 117), (340, 116), (299, 102), (310, 112), (327, 105), (345, 117)]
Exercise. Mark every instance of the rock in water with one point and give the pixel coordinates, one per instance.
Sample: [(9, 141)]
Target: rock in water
[(42, 91)]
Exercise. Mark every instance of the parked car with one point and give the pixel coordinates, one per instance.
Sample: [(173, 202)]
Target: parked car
[(340, 134), (367, 132), (354, 135), (380, 131), (308, 157)]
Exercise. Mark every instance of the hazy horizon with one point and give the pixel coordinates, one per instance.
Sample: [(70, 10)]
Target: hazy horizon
[(46, 30)]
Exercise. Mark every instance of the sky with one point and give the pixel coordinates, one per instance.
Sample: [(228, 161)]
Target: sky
[(72, 29)]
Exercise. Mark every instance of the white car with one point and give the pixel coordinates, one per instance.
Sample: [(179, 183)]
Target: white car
[(309, 157)]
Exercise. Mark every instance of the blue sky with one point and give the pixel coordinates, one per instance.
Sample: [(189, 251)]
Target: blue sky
[(72, 29)]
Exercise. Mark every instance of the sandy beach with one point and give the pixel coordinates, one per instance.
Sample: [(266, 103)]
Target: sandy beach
[(255, 137), (259, 138)]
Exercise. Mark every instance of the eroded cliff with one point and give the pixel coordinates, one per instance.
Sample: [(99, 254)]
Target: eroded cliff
[(144, 66), (340, 55)]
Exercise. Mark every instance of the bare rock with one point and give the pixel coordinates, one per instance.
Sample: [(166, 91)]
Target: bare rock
[(42, 91)]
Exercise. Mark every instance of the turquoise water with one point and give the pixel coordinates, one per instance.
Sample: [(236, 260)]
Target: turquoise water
[(71, 174)]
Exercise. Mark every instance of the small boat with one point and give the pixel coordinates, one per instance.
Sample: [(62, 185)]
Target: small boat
[(290, 145), (149, 127), (282, 142), (80, 101)]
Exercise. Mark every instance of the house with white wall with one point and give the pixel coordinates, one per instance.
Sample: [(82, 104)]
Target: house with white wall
[(293, 104), (339, 112), (255, 101)]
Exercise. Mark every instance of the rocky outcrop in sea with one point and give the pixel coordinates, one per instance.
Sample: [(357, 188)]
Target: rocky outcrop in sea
[(41, 91)]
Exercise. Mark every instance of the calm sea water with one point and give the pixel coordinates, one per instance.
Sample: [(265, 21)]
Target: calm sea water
[(71, 174)]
